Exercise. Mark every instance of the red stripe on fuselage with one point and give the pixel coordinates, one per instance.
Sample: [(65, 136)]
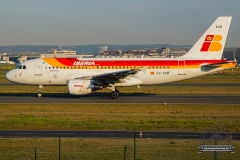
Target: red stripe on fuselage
[(133, 62)]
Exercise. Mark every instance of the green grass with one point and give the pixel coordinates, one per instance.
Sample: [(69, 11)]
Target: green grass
[(147, 117), (107, 149), (7, 66), (3, 70)]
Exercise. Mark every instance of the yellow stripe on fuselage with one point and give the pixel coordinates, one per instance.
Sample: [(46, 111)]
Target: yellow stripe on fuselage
[(53, 62)]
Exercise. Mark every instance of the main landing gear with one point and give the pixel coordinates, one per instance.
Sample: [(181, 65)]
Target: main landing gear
[(114, 94), (40, 90)]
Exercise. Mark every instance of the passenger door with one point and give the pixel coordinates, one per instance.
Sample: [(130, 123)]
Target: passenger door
[(181, 67), (38, 68)]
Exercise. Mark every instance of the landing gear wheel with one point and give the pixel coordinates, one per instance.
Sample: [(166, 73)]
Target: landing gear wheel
[(114, 94), (39, 94)]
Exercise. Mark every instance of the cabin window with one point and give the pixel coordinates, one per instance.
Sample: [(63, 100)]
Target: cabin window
[(20, 67), (24, 67)]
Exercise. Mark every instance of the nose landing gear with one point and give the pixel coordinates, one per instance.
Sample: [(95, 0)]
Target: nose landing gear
[(40, 87)]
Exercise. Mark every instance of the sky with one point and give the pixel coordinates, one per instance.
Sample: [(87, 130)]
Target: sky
[(120, 22)]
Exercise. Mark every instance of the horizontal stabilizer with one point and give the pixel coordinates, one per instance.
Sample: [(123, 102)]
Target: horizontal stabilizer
[(209, 67)]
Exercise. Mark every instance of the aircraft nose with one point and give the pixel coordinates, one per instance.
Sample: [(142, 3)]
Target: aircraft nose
[(9, 76)]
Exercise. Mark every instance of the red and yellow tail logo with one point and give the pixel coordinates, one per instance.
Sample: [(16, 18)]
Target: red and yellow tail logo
[(212, 43)]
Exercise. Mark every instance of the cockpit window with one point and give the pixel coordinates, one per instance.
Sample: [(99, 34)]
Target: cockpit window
[(21, 67)]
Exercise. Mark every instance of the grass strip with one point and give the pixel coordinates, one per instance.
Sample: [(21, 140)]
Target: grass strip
[(144, 117), (108, 149)]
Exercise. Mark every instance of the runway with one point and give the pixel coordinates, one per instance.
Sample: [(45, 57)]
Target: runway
[(111, 134), (104, 98)]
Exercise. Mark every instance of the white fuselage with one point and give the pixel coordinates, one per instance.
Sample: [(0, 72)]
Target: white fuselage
[(38, 72)]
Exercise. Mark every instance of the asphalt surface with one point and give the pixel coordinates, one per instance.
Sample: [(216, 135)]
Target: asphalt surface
[(114, 134), (123, 98)]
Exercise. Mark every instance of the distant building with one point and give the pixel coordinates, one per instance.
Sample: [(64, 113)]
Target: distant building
[(4, 57), (231, 53), (61, 51), (102, 49)]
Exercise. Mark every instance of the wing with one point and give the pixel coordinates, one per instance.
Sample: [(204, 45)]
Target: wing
[(111, 77), (116, 75)]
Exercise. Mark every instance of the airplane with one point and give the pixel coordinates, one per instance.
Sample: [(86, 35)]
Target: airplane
[(85, 75)]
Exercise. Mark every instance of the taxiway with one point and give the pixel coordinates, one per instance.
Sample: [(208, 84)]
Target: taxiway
[(123, 98)]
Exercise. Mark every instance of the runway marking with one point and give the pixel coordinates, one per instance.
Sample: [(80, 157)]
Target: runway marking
[(63, 133), (104, 134), (24, 133), (186, 135)]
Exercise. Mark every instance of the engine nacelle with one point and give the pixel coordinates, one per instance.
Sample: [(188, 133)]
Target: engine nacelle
[(81, 87)]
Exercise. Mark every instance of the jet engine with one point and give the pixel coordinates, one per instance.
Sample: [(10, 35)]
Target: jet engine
[(81, 87)]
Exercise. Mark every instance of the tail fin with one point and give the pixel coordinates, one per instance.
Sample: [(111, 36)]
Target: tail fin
[(212, 42)]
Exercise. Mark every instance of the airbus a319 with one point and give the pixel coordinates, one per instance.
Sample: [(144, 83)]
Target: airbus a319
[(85, 75)]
